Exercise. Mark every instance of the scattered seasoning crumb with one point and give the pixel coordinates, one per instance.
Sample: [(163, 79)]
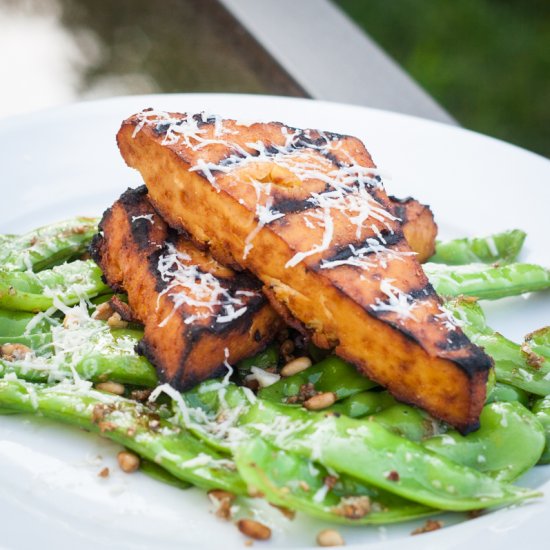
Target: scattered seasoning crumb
[(140, 395), (330, 537), (128, 462), (353, 507), (430, 525), (104, 472), (222, 501), (330, 481), (287, 512), (303, 485), (305, 392), (105, 426), (533, 359), (473, 514), (287, 347), (248, 542), (393, 476), (254, 529)]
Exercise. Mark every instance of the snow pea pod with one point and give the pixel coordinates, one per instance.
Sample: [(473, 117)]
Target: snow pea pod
[(286, 479), (486, 281), (18, 327), (129, 423), (364, 403), (500, 247), (525, 368), (158, 473), (541, 409), (409, 422), (329, 375), (47, 246), (267, 358), (509, 442), (371, 453), (26, 291), (506, 393), (362, 449)]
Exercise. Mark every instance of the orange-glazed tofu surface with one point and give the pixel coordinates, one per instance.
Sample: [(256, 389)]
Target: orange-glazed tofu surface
[(306, 212), (197, 314)]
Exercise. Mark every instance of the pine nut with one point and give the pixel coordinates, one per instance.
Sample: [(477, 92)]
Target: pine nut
[(128, 462), (111, 387), (254, 529), (330, 537), (320, 401), (115, 321), (14, 352), (295, 366), (103, 312)]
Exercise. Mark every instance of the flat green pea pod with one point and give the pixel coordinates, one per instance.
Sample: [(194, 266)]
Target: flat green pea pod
[(68, 283), (86, 348), (129, 423), (509, 442), (521, 366), (364, 403), (286, 479), (536, 347), (47, 246), (329, 375), (541, 409), (409, 422), (19, 327), (500, 247), (361, 449), (158, 473), (508, 394), (486, 281), (267, 358)]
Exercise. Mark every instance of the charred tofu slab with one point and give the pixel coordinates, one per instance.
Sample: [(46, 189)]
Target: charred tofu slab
[(418, 224), (306, 212), (197, 314)]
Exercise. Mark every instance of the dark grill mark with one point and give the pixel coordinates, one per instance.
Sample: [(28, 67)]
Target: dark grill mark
[(345, 252)]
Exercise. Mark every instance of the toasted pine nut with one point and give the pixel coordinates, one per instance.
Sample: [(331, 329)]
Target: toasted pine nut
[(254, 529), (115, 321), (295, 366), (330, 537), (128, 462), (320, 401), (14, 352), (111, 387), (103, 311)]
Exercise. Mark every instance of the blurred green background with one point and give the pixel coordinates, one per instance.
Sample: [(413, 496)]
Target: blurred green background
[(486, 61)]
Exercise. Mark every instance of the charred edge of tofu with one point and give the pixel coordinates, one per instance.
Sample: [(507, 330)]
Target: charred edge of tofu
[(135, 203)]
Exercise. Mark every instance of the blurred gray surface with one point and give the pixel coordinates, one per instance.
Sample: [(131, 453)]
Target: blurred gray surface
[(330, 57)]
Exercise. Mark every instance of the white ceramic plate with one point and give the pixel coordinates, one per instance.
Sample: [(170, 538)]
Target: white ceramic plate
[(64, 162)]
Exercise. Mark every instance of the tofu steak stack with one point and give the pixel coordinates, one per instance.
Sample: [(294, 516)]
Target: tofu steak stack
[(197, 314), (306, 213)]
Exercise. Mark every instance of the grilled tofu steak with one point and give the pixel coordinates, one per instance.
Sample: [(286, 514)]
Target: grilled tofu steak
[(306, 212), (418, 224), (196, 313)]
